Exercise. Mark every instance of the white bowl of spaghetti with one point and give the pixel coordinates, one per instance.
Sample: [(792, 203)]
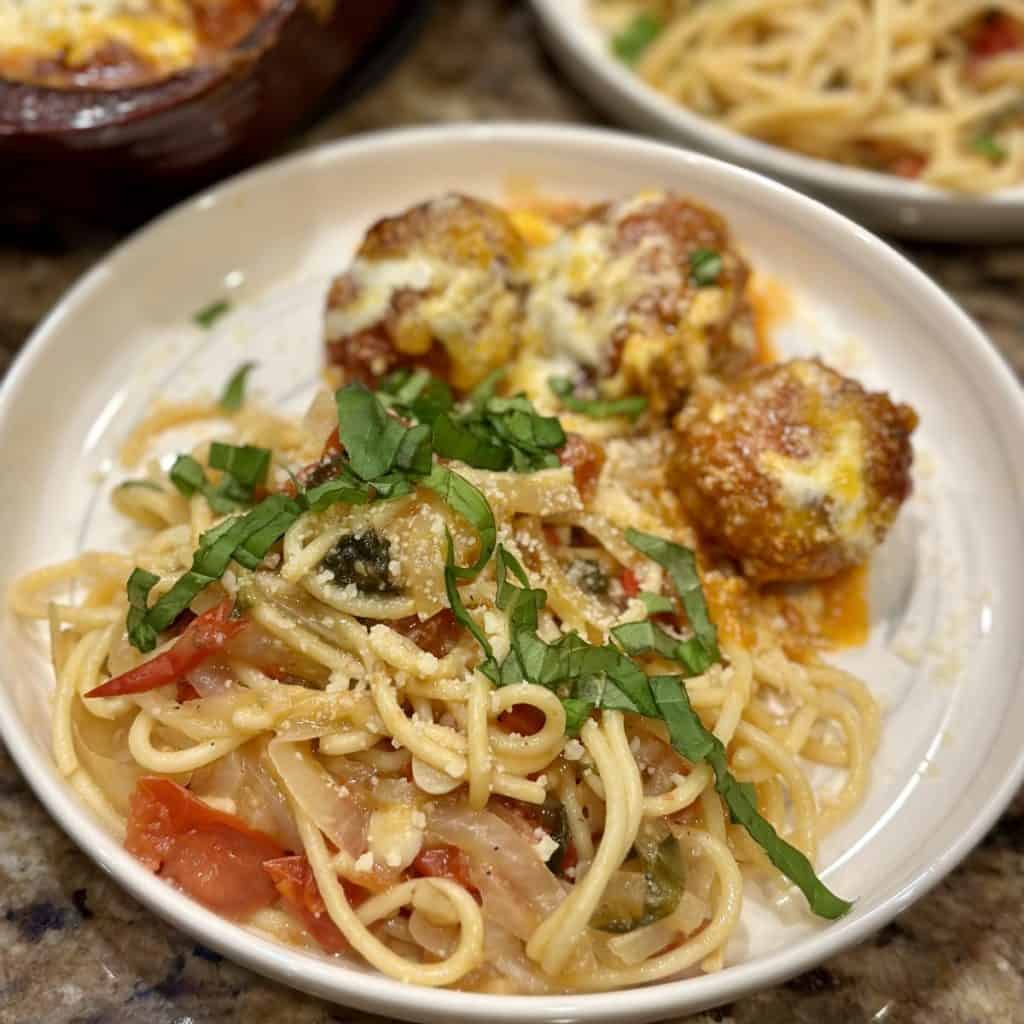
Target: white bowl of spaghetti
[(293, 702), (907, 117)]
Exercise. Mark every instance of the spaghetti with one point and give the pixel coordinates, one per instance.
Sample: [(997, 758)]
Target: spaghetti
[(466, 725), (925, 89)]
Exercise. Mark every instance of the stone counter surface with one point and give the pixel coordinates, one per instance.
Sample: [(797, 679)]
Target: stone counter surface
[(74, 948)]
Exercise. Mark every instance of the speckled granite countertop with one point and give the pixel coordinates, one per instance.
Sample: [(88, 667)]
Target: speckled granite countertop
[(74, 948)]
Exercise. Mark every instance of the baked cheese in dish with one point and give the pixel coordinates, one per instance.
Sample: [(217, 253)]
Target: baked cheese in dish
[(116, 43)]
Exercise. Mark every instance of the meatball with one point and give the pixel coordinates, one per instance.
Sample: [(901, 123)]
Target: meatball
[(642, 296), (435, 286), (794, 470)]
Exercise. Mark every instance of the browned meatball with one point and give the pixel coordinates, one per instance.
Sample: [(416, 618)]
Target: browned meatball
[(642, 296), (796, 471), (433, 286)]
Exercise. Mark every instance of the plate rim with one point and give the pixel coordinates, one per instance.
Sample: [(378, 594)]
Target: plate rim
[(368, 990), (767, 157)]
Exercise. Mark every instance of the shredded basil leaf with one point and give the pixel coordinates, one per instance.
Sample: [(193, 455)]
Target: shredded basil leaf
[(233, 396), (577, 711), (629, 44), (458, 440), (417, 392), (601, 676), (555, 822), (498, 433), (700, 652), (663, 886), (140, 583), (208, 315), (750, 792), (697, 744), (705, 266), (245, 539), (462, 616), (486, 431), (640, 638), (656, 604), (370, 437), (345, 487), (247, 464), (148, 485), (462, 497), (245, 468), (188, 477), (596, 408), (486, 389), (987, 145)]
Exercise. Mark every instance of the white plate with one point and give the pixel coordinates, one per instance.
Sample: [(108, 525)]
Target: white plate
[(882, 201), (948, 583)]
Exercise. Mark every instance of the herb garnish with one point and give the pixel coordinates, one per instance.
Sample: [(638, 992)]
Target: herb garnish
[(245, 539), (700, 652), (629, 44), (496, 433), (588, 677), (658, 852), (417, 393), (705, 266), (596, 408), (146, 485), (245, 468), (486, 431), (384, 460), (697, 744), (657, 604), (209, 315), (234, 391), (987, 145)]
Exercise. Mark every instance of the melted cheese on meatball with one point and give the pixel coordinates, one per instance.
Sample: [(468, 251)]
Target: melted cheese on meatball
[(443, 272)]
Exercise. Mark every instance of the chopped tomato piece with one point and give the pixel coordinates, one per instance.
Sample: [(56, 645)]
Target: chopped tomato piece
[(524, 719), (186, 691), (204, 637), (570, 858), (444, 862), (630, 584), (586, 459), (998, 34), (909, 165), (294, 880), (437, 635), (553, 535), (214, 857), (332, 446), (325, 468)]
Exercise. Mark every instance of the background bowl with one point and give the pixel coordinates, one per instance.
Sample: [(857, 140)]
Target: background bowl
[(950, 756), (124, 152), (884, 202)]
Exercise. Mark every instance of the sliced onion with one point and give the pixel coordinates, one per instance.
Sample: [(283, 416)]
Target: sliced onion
[(506, 954), (256, 647), (432, 781), (437, 939), (102, 747), (335, 809), (211, 680), (245, 777), (517, 889)]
